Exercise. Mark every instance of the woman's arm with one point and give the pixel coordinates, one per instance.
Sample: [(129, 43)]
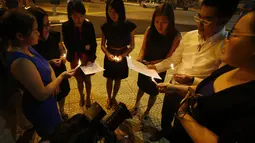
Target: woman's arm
[(27, 74), (93, 44), (132, 44), (197, 132), (103, 45), (175, 44)]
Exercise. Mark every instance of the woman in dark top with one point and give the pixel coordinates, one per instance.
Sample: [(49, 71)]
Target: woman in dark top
[(80, 40), (160, 41), (117, 34), (32, 72), (224, 110), (50, 47)]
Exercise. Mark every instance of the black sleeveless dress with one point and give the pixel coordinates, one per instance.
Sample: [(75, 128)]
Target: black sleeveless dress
[(157, 48), (117, 36)]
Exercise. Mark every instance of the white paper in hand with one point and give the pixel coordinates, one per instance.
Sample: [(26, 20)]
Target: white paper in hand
[(91, 69), (141, 68)]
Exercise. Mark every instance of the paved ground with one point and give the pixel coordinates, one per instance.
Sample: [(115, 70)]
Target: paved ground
[(127, 95)]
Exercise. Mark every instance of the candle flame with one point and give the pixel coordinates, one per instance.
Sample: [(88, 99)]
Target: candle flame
[(79, 63), (64, 55), (172, 66)]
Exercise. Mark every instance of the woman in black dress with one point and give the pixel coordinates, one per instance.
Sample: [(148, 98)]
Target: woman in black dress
[(160, 41), (50, 47), (118, 35), (80, 40)]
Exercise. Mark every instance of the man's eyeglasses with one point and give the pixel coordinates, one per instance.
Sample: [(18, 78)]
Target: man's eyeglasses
[(201, 20), (234, 34)]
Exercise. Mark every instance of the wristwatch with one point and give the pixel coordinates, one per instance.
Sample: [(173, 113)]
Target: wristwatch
[(180, 114)]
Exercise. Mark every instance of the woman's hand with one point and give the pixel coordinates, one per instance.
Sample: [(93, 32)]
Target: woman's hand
[(67, 74), (63, 59), (110, 57), (56, 62), (166, 87), (119, 59), (151, 67), (183, 79)]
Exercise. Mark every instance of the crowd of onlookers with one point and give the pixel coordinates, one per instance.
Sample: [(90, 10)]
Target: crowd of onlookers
[(210, 97)]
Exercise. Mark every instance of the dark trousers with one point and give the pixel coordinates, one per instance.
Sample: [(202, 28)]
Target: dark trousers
[(176, 133)]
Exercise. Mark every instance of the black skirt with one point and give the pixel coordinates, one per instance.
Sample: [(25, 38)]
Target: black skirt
[(147, 85), (113, 69), (64, 85)]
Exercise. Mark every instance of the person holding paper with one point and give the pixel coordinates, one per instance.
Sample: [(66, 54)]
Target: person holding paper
[(160, 41), (80, 40), (197, 56), (119, 34), (50, 47), (222, 106)]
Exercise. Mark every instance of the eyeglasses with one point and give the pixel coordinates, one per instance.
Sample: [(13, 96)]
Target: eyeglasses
[(201, 20), (46, 25), (233, 34)]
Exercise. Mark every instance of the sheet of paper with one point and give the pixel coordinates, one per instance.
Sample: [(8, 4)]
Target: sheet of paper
[(141, 68), (92, 68)]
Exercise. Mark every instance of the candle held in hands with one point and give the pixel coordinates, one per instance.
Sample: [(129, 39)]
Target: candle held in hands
[(172, 66), (79, 64)]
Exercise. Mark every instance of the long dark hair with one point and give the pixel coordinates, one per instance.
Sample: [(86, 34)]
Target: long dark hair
[(118, 6), (9, 28), (163, 10), (39, 14)]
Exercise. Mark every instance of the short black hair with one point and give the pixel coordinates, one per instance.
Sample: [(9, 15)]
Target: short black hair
[(118, 6), (39, 14), (77, 6), (225, 8)]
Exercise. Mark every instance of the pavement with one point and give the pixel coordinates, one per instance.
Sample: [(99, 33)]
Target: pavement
[(127, 95)]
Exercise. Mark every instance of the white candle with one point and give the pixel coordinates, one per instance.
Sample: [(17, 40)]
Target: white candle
[(79, 63)]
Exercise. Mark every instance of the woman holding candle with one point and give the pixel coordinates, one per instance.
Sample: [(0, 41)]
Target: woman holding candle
[(80, 40), (50, 47), (32, 72), (119, 34), (160, 41)]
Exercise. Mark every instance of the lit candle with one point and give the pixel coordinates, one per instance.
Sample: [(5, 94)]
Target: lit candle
[(153, 80), (64, 55), (172, 66), (116, 58), (79, 63)]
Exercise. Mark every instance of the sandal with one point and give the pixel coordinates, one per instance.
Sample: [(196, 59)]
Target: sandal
[(108, 104), (82, 102), (88, 103), (134, 111), (64, 116), (145, 116)]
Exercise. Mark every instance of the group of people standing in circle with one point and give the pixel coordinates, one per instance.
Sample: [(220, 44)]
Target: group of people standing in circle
[(35, 59), (38, 53)]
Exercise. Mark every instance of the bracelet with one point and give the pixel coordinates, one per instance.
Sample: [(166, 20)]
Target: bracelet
[(180, 114)]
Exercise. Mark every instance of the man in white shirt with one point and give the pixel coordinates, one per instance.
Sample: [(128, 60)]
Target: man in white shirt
[(197, 56)]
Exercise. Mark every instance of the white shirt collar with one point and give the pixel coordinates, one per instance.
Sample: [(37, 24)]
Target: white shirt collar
[(218, 36)]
